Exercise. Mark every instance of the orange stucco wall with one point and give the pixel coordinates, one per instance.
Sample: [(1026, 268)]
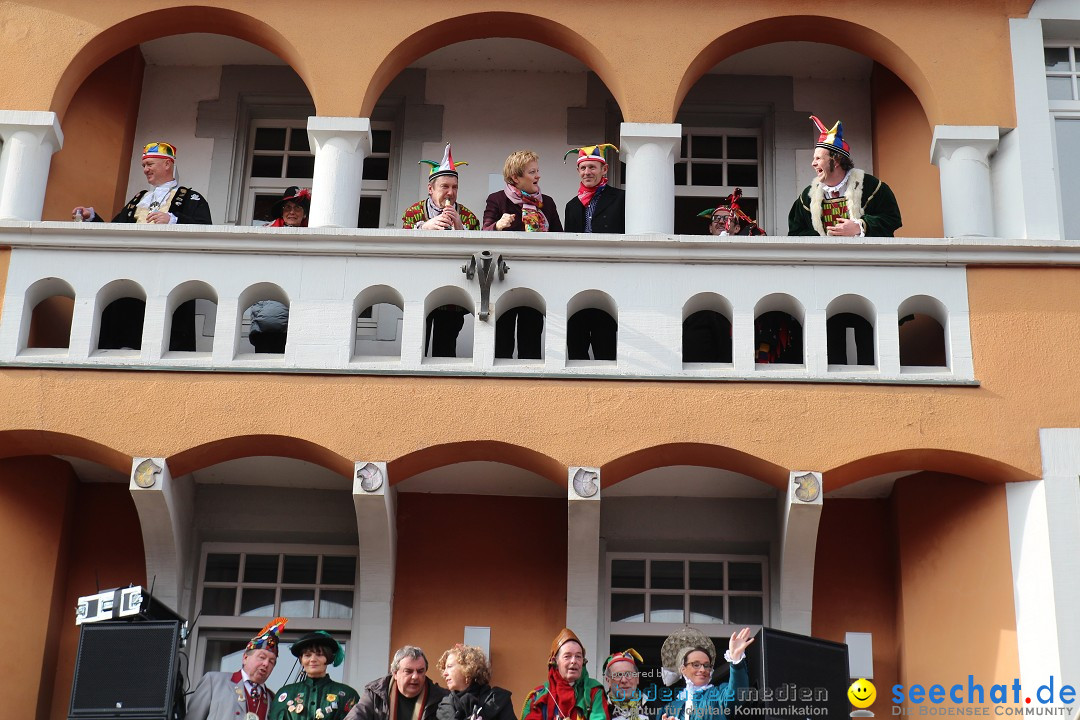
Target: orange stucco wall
[(855, 578), (487, 561), (99, 129), (955, 614), (902, 139)]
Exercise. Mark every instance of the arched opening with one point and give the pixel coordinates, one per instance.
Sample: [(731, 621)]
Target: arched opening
[(519, 325), (592, 327), (448, 326), (849, 330), (378, 313), (120, 322), (778, 331), (111, 104), (190, 318), (923, 327), (706, 329), (48, 306), (264, 320)]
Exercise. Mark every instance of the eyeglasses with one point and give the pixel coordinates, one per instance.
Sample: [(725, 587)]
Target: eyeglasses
[(624, 675), (700, 666)]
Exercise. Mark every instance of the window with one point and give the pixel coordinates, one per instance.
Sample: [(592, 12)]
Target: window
[(1062, 73), (712, 163), (279, 156), (1063, 88)]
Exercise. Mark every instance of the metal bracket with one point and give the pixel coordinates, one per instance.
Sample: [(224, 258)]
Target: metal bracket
[(485, 267)]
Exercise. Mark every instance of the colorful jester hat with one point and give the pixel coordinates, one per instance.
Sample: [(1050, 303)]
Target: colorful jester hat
[(267, 639), (163, 150), (630, 655), (832, 138), (590, 152), (731, 201), (446, 167)]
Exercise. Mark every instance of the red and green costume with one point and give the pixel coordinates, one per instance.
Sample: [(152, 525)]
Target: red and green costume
[(559, 700), (417, 213)]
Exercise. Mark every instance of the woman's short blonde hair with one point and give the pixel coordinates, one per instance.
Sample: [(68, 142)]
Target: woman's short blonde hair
[(472, 660), (514, 167)]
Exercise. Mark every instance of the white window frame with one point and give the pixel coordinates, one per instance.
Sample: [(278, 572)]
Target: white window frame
[(691, 190), (663, 629), (1074, 73)]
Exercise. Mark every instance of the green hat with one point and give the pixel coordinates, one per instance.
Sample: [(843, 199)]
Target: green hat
[(323, 639)]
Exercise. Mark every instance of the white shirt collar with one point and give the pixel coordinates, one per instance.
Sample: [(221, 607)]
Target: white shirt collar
[(839, 187)]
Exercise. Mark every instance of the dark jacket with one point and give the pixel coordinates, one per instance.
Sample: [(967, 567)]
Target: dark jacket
[(609, 216), (312, 698), (189, 207), (375, 700), (498, 204), (492, 703)]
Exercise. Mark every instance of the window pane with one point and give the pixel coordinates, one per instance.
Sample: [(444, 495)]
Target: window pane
[(301, 166), (742, 175), (706, 576), (666, 608), (298, 141), (667, 575), (745, 610), (628, 573), (270, 138), (338, 570), (1067, 136), (218, 601), (680, 173), (708, 174), (742, 148), (299, 569), (335, 604), (368, 214), (261, 569), (380, 141), (264, 208), (376, 168), (683, 148), (627, 608), (1059, 88), (744, 576), (298, 603), (222, 568), (705, 609), (1057, 59), (709, 146), (266, 166), (257, 602)]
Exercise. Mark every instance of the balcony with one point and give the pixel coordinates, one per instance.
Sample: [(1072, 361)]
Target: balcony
[(846, 304)]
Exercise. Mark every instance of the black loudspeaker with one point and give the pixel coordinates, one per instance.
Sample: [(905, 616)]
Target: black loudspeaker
[(126, 671), (795, 676)]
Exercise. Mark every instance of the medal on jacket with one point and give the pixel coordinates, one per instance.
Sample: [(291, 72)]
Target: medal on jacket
[(251, 716)]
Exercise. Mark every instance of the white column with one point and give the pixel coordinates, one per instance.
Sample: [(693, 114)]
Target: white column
[(376, 521), (165, 506), (340, 145), (1043, 536), (29, 140), (800, 514), (649, 151), (583, 557), (962, 154)]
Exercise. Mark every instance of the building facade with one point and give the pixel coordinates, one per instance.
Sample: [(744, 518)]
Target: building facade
[(360, 484)]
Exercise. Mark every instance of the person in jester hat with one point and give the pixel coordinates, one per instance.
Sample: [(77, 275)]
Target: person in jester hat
[(315, 696), (598, 207), (225, 695), (440, 210), (842, 200), (728, 218), (569, 693), (622, 676)]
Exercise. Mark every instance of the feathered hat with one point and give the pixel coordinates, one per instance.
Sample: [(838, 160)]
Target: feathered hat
[(267, 639), (300, 196), (832, 138), (729, 201), (446, 167), (590, 152), (159, 150)]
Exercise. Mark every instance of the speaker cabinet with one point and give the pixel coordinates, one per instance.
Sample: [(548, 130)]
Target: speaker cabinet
[(797, 676), (125, 671)]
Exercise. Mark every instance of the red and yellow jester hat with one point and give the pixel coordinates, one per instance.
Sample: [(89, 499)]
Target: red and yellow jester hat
[(630, 655), (590, 152), (832, 138), (159, 150)]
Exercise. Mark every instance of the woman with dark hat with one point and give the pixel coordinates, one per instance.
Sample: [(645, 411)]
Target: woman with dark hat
[(315, 696), (467, 673), (292, 209)]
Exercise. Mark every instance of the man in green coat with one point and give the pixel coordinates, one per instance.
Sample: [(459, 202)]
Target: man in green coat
[(842, 200)]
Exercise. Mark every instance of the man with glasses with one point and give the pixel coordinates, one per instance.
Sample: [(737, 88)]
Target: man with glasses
[(405, 694), (622, 677), (165, 203), (701, 699)]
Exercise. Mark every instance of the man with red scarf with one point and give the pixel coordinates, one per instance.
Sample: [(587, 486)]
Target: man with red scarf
[(598, 207), (569, 693)]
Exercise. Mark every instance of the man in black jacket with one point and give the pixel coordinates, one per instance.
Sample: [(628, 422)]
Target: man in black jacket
[(405, 694), (166, 202), (598, 207)]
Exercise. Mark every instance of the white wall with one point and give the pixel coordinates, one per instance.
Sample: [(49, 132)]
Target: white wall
[(488, 115), (170, 102)]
